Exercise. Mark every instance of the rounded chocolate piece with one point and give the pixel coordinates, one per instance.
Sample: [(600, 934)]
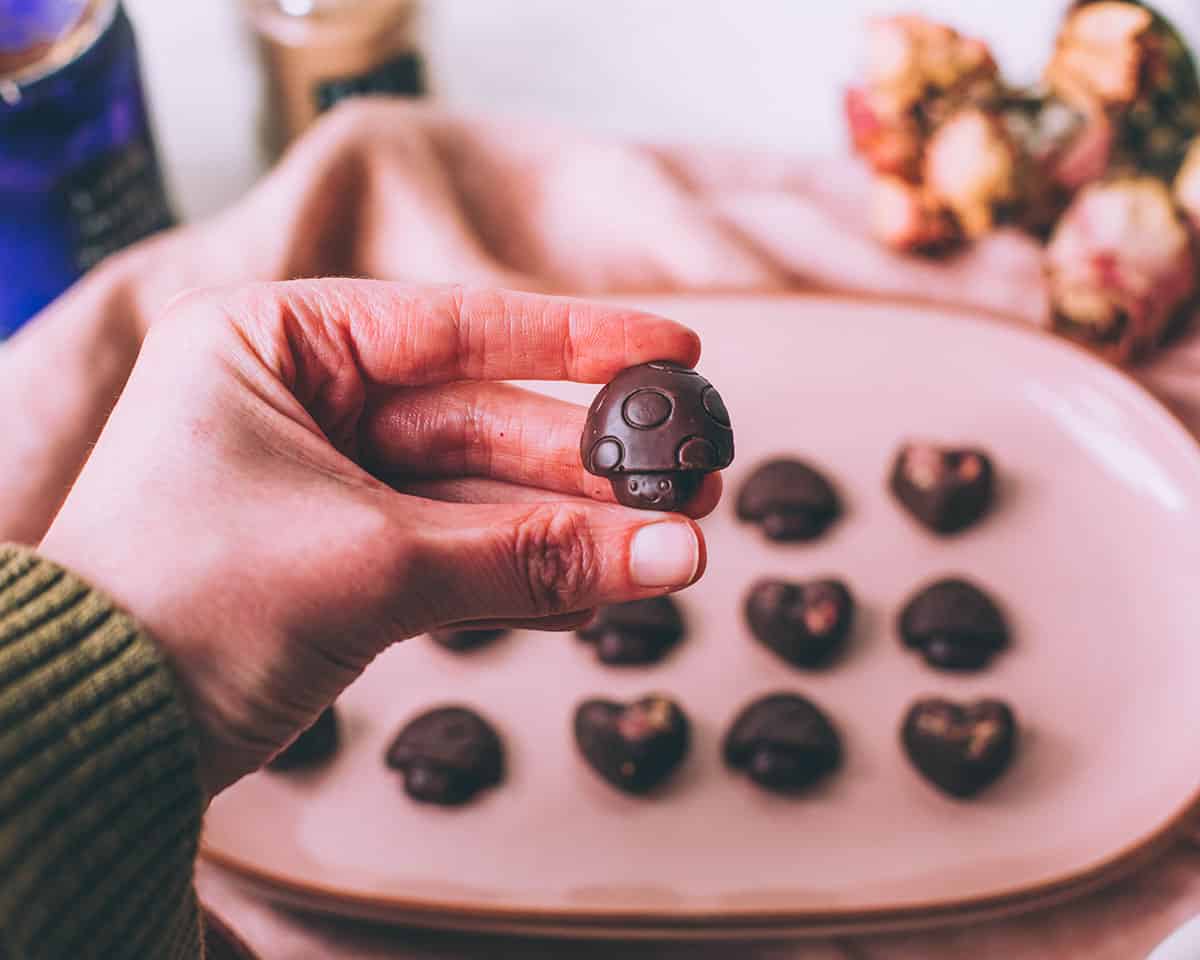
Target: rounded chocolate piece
[(716, 406), (462, 641), (653, 432), (783, 742), (805, 624), (954, 624), (635, 746), (634, 633), (447, 755), (607, 454), (696, 453), (789, 499), (312, 748), (960, 749), (647, 409), (946, 489)]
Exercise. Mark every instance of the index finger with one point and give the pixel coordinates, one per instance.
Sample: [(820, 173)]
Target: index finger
[(398, 335)]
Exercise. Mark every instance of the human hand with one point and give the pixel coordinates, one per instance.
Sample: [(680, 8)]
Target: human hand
[(236, 501), (347, 200)]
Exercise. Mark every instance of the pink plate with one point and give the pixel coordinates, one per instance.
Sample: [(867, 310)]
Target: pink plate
[(1092, 550)]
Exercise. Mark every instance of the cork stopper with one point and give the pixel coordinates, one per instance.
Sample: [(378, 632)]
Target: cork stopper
[(314, 51)]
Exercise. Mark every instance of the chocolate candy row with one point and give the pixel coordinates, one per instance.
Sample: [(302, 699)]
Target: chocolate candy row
[(783, 742)]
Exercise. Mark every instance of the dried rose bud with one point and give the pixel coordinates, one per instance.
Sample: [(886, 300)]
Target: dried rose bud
[(911, 60), (907, 219), (1100, 53), (1124, 61), (889, 144), (917, 73), (1119, 266), (971, 169)]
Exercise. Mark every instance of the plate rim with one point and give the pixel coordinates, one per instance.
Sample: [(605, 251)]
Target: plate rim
[(740, 921), (724, 923)]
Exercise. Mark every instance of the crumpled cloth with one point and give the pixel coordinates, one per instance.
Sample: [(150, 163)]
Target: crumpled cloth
[(409, 193)]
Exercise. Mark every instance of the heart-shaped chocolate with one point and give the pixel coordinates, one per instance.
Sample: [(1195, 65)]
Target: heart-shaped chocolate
[(447, 755), (638, 632), (789, 500), (783, 742), (954, 624), (635, 746), (312, 748), (946, 488), (960, 749), (804, 623)]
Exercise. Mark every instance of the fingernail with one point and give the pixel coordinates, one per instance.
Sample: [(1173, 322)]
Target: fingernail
[(664, 555)]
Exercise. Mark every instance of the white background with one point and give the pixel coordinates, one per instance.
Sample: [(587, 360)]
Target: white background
[(754, 72)]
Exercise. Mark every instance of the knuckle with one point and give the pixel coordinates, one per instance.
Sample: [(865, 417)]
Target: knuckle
[(218, 321), (556, 559), (184, 303), (183, 311), (348, 120), (189, 324)]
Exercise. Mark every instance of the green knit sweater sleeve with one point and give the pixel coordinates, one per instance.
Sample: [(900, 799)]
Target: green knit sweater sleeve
[(100, 805)]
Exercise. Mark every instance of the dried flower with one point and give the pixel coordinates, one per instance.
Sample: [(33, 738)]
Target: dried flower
[(956, 153), (907, 219), (917, 73), (1100, 54), (1120, 265), (889, 144), (1124, 61), (911, 61), (971, 169)]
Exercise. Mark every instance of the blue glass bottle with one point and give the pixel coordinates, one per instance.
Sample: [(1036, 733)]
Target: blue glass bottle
[(79, 174)]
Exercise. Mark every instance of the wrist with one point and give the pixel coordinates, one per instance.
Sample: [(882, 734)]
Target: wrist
[(99, 787)]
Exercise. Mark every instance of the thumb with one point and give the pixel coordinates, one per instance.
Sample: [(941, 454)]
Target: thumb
[(549, 559)]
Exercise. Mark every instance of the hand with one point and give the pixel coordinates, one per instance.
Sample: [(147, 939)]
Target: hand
[(236, 501), (346, 200), (378, 188)]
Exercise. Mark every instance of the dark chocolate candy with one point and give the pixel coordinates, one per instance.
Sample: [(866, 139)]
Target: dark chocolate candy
[(789, 499), (638, 632), (960, 749), (654, 431), (804, 623), (312, 748), (783, 742), (447, 755), (946, 488), (635, 746), (954, 624), (462, 641)]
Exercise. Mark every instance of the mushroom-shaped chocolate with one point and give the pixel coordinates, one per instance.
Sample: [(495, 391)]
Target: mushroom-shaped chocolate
[(654, 431)]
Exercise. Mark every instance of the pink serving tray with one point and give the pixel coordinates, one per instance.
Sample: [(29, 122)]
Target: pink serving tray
[(1092, 550)]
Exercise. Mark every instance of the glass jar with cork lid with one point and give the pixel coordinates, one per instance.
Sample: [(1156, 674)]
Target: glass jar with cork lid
[(319, 52), (79, 173)]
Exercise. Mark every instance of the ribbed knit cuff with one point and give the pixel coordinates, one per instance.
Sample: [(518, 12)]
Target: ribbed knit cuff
[(100, 804)]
